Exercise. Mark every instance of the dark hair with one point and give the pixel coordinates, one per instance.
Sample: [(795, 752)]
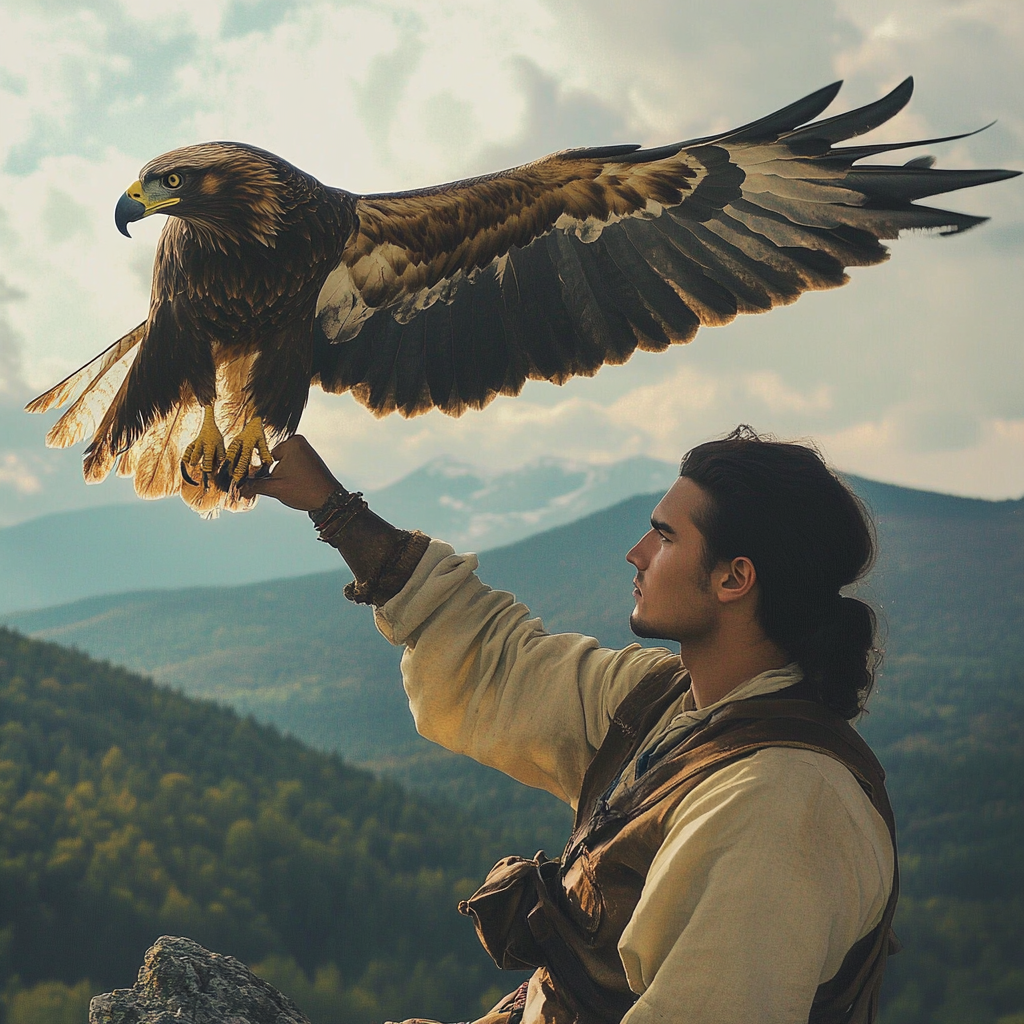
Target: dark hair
[(808, 536)]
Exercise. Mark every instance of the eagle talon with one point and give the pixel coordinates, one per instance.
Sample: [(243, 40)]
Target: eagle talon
[(206, 452), (251, 441)]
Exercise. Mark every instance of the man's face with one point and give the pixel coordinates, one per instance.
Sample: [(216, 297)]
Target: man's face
[(672, 590)]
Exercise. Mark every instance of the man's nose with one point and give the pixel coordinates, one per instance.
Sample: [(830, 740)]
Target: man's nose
[(635, 554)]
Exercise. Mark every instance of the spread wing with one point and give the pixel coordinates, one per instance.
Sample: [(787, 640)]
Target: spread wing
[(449, 296)]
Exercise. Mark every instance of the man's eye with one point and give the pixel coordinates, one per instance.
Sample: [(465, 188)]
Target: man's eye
[(172, 180)]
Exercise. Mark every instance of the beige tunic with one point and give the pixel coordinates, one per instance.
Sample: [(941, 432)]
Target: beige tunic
[(771, 869)]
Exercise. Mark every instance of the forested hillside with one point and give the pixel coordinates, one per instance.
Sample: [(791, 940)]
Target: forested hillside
[(128, 811)]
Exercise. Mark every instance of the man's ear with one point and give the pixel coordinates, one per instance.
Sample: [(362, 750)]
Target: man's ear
[(735, 579)]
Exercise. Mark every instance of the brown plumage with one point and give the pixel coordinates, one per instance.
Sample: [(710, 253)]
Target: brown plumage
[(265, 280)]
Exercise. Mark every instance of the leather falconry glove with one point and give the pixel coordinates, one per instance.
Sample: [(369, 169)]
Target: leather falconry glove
[(382, 558)]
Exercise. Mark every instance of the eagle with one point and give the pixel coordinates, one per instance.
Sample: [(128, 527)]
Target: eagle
[(266, 281)]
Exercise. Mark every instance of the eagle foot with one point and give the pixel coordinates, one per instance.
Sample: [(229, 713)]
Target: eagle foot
[(251, 441), (206, 453)]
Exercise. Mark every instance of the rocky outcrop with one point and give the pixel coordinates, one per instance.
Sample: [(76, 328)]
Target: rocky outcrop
[(182, 983)]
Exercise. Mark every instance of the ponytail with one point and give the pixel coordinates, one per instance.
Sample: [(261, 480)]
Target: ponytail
[(835, 652)]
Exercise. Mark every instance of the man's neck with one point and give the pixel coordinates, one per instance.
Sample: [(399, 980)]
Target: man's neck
[(719, 668)]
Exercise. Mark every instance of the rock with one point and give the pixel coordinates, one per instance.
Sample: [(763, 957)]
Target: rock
[(182, 983)]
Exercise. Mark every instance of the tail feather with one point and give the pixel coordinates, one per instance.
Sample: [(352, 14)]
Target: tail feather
[(154, 463), (154, 459), (101, 456), (99, 460)]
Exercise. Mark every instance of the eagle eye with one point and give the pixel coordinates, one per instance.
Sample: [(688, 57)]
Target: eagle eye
[(172, 180)]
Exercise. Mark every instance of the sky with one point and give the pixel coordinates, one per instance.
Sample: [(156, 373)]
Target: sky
[(910, 374)]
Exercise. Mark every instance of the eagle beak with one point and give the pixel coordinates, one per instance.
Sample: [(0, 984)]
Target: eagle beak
[(135, 204), (130, 207)]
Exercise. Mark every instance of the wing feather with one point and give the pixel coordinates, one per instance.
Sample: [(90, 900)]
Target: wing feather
[(678, 320), (785, 120), (446, 297), (412, 392), (858, 121), (713, 304), (440, 359), (547, 332), (74, 385), (596, 334), (882, 223), (766, 235), (471, 386), (491, 354), (89, 408), (377, 389), (744, 282), (622, 304)]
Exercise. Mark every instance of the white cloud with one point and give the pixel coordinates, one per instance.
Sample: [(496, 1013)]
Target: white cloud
[(14, 473), (204, 18), (505, 435), (991, 467), (769, 387)]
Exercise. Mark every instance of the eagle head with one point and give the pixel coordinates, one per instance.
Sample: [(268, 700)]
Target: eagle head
[(229, 192)]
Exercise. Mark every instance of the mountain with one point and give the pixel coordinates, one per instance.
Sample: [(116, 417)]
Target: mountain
[(142, 545), (476, 511), (949, 583), (107, 550)]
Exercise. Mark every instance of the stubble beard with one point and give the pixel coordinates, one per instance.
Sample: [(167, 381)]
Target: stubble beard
[(641, 629), (691, 634), (697, 630)]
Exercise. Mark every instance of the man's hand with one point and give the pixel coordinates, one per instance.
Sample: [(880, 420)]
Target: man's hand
[(300, 478)]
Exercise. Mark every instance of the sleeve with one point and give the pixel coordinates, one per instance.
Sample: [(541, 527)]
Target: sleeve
[(770, 871), (485, 679)]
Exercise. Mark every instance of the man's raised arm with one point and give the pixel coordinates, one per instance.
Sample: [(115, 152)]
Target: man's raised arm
[(483, 677)]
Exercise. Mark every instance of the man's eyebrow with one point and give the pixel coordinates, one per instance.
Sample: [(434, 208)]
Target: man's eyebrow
[(661, 526)]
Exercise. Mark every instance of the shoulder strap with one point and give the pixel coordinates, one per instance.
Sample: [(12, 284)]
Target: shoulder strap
[(633, 719), (745, 727)]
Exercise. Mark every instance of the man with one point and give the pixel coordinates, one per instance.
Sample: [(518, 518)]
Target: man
[(733, 855)]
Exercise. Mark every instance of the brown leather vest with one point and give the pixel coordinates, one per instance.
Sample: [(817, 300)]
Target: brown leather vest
[(567, 917)]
